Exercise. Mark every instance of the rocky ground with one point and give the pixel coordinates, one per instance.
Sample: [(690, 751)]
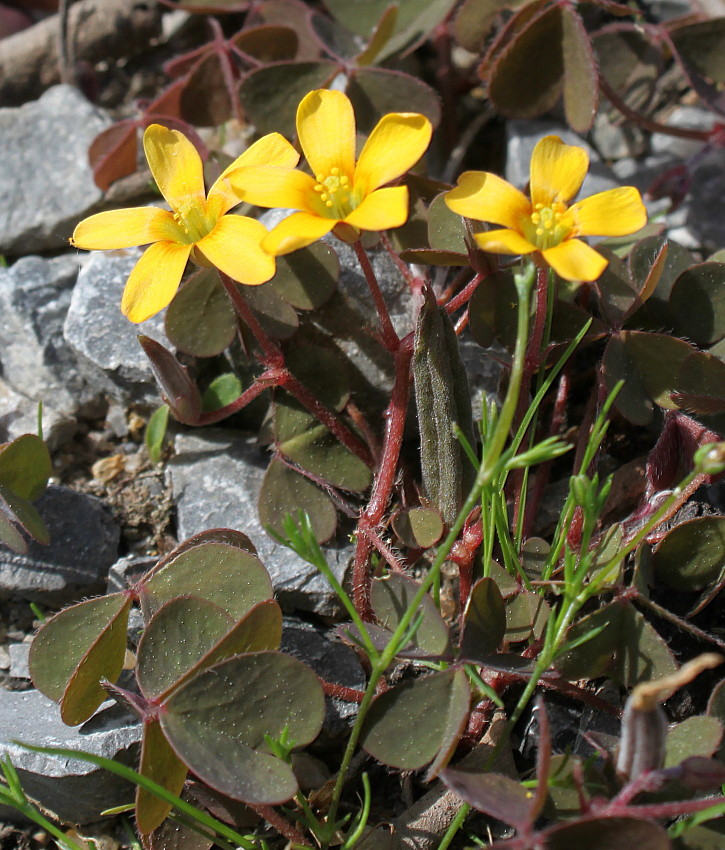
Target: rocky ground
[(110, 511)]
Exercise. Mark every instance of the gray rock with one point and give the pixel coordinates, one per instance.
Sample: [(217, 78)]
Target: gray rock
[(84, 545), (19, 415), (76, 791), (332, 661), (523, 136), (104, 341), (127, 570), (616, 141), (18, 653), (216, 477), (34, 297), (46, 184)]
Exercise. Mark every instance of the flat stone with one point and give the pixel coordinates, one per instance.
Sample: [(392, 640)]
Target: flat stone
[(216, 477), (74, 790), (103, 340), (84, 544), (46, 183), (332, 661), (18, 653), (35, 294), (19, 415)]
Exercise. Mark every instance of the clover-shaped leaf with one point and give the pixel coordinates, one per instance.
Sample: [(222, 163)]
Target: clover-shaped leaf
[(217, 723), (418, 721), (77, 648), (390, 598), (230, 577), (285, 491)]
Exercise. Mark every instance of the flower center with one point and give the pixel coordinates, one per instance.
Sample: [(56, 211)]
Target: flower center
[(547, 227), (193, 219), (335, 193)]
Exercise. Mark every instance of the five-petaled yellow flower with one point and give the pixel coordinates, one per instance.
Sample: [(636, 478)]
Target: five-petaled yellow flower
[(547, 224), (196, 227), (342, 194)]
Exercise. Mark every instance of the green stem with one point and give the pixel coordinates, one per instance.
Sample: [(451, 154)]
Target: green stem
[(489, 467)]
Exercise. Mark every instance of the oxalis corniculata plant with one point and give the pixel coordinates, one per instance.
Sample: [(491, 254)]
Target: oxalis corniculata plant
[(551, 613)]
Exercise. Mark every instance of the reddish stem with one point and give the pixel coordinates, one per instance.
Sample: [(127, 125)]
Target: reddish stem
[(372, 516), (464, 296), (646, 123), (279, 375), (342, 692), (391, 340), (408, 276), (384, 550), (281, 824), (248, 396)]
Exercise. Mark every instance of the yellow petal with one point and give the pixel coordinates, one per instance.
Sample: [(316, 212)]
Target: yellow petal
[(557, 171), (297, 231), (126, 229), (381, 210), (326, 129), (398, 141), (503, 242), (154, 280), (575, 260), (487, 197), (176, 166), (616, 212), (266, 186), (271, 150), (235, 247)]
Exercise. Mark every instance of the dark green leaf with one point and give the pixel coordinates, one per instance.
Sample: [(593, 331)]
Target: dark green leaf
[(304, 440), (581, 83), (376, 91), (285, 491), (695, 736), (498, 796), (409, 725), (692, 555), (608, 834), (513, 89), (390, 599), (649, 365), (230, 577), (702, 44), (25, 466), (218, 729), (484, 622), (307, 278), (77, 648), (201, 320), (223, 390), (275, 315), (446, 230), (156, 432), (628, 648), (697, 301), (160, 764), (418, 528), (178, 635), (270, 94)]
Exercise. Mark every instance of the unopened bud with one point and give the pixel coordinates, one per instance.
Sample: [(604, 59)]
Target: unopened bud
[(710, 459)]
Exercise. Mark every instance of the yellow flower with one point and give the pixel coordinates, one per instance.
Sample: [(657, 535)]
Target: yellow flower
[(196, 227), (342, 194), (546, 223)]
